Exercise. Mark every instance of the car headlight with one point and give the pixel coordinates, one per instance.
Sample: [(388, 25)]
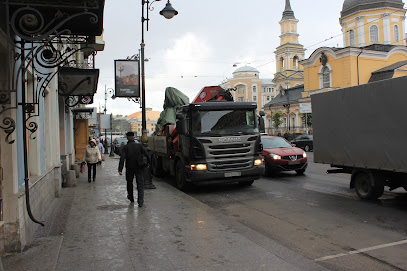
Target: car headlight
[(304, 155), (258, 162), (275, 156), (198, 167)]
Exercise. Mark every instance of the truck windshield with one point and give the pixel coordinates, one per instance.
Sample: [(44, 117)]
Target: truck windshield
[(224, 122)]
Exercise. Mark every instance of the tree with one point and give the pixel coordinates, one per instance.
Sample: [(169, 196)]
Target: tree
[(309, 119), (276, 118)]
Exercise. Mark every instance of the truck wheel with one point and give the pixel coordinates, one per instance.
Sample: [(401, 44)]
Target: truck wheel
[(306, 148), (180, 176), (369, 186)]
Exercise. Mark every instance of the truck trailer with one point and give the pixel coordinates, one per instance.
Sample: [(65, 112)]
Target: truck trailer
[(362, 131), (211, 142)]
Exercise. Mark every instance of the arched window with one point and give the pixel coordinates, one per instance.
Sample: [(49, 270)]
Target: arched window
[(254, 90), (374, 33), (326, 77), (282, 63), (352, 37), (396, 33)]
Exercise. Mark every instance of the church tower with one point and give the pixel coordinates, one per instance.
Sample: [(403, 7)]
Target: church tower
[(288, 55)]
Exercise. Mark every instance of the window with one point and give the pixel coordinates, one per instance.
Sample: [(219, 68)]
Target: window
[(282, 63), (295, 62), (240, 90), (240, 99), (326, 77), (254, 89), (396, 33), (268, 98), (351, 37), (374, 33), (254, 98)]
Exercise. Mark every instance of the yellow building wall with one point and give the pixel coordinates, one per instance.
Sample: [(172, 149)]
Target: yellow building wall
[(345, 71)]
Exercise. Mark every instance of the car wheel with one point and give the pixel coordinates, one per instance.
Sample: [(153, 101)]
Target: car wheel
[(180, 176), (306, 148), (369, 186), (246, 183), (268, 171), (300, 171)]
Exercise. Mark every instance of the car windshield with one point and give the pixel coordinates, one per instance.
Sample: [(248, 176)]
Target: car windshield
[(224, 122), (275, 143)]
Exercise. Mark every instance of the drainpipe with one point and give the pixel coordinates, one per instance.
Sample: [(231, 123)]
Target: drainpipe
[(357, 63), (23, 107)]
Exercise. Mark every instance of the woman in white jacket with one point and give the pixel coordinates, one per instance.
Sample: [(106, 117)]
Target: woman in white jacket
[(91, 156)]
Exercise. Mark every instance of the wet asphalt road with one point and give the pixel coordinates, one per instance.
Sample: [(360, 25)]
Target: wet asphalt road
[(318, 216)]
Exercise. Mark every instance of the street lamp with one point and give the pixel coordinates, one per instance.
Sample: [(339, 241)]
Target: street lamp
[(168, 12), (111, 90)]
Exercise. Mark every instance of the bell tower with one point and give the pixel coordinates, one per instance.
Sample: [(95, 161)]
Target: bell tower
[(289, 53)]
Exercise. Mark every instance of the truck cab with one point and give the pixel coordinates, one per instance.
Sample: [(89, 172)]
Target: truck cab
[(216, 142)]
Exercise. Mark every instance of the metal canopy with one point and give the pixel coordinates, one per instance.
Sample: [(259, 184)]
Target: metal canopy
[(32, 19), (77, 82)]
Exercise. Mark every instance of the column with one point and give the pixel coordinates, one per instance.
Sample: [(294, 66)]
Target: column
[(361, 31), (403, 28), (344, 35), (386, 28)]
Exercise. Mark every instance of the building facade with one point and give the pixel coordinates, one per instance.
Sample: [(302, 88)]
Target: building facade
[(37, 96), (151, 121)]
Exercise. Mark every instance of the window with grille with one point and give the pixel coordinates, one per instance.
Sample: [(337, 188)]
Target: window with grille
[(326, 77), (396, 33), (374, 33), (240, 90)]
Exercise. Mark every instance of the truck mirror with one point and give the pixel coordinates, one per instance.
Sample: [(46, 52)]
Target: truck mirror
[(262, 127)]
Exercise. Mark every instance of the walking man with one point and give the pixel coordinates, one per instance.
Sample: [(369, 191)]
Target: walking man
[(131, 154)]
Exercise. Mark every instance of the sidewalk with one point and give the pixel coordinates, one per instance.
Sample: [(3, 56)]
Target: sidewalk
[(94, 227)]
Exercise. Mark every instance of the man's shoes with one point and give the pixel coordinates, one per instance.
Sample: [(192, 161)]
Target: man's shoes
[(140, 205), (88, 180), (130, 198)]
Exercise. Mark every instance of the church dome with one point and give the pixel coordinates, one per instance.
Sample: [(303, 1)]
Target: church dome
[(352, 6), (246, 69)]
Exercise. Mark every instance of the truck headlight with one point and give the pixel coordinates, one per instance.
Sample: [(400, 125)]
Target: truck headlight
[(198, 167), (275, 156), (258, 162)]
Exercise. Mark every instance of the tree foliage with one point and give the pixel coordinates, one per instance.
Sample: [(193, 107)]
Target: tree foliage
[(276, 118)]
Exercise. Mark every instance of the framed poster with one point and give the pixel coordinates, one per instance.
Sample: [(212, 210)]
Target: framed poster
[(127, 78)]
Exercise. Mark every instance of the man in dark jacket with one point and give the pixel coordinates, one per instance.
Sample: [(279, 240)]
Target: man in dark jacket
[(131, 153)]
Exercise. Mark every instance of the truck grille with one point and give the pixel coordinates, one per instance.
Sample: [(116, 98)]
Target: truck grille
[(235, 164)]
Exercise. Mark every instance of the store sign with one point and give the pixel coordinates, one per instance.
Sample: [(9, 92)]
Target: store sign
[(305, 108)]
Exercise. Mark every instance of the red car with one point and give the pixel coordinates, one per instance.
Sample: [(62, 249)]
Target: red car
[(280, 155)]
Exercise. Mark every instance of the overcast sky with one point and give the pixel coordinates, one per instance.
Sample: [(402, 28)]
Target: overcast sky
[(199, 46)]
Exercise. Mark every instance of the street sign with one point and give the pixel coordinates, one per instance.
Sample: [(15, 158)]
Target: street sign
[(305, 108)]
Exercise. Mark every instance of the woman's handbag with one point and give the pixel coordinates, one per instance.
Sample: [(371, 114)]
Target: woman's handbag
[(103, 157)]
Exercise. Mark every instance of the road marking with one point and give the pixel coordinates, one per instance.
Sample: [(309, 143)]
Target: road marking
[(361, 250)]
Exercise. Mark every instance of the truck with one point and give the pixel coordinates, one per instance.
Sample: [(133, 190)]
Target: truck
[(213, 140), (362, 131)]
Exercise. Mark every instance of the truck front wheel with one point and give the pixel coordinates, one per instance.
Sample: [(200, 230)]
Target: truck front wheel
[(180, 176), (369, 186)]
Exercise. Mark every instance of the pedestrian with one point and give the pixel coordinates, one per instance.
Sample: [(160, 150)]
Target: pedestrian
[(132, 154), (91, 156), (101, 149)]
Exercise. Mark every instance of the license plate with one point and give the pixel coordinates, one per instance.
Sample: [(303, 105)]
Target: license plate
[(294, 162), (233, 174)]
